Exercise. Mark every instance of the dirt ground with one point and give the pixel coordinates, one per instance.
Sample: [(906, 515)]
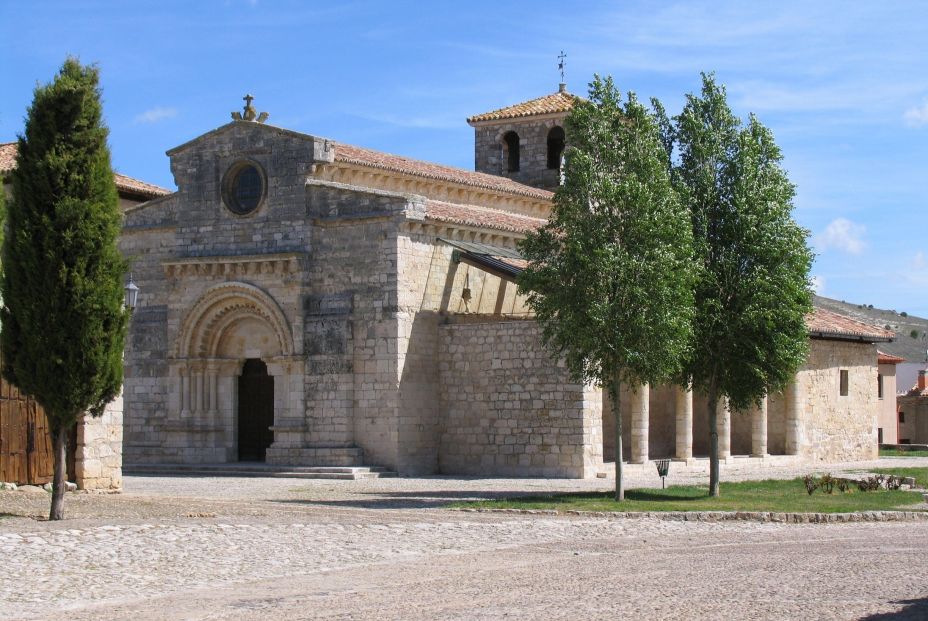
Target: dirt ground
[(233, 548)]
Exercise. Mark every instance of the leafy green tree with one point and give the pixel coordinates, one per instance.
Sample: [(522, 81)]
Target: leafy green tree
[(753, 289), (610, 275), (2, 211), (64, 325)]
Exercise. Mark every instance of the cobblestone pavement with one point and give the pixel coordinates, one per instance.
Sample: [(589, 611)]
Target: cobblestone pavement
[(233, 548)]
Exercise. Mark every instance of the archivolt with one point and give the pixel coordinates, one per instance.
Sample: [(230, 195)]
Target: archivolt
[(224, 305)]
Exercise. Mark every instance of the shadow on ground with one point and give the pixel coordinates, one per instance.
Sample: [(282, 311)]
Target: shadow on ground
[(913, 610), (412, 500), (442, 498)]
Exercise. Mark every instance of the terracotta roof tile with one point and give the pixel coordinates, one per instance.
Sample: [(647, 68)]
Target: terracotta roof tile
[(351, 154), (124, 184), (884, 358), (826, 324), (548, 104), (480, 217)]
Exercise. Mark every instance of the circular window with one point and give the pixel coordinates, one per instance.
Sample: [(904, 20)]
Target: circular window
[(243, 188)]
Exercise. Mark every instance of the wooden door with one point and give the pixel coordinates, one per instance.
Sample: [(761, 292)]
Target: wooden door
[(26, 450), (255, 411), (13, 433), (40, 450)]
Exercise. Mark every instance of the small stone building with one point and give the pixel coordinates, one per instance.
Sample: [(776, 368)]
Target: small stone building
[(887, 420), (912, 412), (95, 449), (309, 302)]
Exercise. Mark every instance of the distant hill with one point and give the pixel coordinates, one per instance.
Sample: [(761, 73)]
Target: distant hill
[(912, 349)]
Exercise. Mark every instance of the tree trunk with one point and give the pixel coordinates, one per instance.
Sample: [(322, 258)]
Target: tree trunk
[(614, 390), (60, 439), (714, 474)]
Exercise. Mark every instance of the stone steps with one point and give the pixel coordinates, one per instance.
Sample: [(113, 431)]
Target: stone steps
[(256, 469)]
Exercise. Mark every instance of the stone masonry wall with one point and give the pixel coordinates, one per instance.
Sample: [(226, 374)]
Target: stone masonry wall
[(98, 454), (510, 409), (835, 427), (351, 321), (194, 225)]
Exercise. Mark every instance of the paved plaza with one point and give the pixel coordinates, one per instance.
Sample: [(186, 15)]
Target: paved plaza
[(237, 548)]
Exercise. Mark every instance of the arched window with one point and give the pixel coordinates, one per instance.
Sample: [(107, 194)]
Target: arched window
[(555, 147), (511, 151)]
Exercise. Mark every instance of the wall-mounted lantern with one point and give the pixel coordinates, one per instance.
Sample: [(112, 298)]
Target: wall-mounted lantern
[(131, 295)]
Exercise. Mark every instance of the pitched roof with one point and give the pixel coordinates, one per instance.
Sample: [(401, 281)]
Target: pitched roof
[(554, 103), (884, 358), (828, 325), (125, 184), (481, 217), (351, 154)]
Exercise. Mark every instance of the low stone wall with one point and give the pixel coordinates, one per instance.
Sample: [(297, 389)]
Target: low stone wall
[(98, 454), (510, 409)]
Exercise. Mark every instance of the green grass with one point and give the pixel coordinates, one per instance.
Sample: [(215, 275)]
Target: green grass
[(771, 495), (919, 474), (898, 453)]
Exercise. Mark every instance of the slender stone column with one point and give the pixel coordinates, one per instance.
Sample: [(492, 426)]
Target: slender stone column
[(759, 429), (198, 407), (640, 396), (684, 420), (213, 392), (184, 391), (793, 416), (723, 427), (184, 396)]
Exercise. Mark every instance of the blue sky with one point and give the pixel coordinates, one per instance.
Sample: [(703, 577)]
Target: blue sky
[(844, 87)]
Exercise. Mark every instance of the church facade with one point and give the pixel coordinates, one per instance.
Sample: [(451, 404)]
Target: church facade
[(308, 302)]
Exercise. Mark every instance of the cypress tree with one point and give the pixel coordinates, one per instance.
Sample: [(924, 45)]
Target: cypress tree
[(64, 324)]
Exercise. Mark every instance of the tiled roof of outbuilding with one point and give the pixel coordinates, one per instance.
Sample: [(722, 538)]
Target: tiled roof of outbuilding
[(548, 104), (125, 184), (351, 154), (884, 358), (826, 324)]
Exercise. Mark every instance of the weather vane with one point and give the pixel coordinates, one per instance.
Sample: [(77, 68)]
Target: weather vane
[(560, 64)]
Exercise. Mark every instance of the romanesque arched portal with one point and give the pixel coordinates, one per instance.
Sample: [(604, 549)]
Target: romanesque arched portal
[(233, 325)]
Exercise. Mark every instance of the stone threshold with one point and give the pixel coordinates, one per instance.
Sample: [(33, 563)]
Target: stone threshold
[(258, 469)]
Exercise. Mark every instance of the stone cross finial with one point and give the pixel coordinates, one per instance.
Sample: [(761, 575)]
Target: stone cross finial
[(249, 113)]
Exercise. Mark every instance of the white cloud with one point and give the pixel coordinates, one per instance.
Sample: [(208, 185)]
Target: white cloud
[(156, 114), (919, 262), (917, 116), (842, 234), (818, 285)]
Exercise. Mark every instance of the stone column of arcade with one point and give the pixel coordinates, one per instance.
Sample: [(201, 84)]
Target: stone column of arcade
[(684, 423), (723, 427), (640, 396), (793, 416), (759, 429)]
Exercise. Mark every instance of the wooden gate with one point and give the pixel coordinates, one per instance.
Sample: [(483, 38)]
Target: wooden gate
[(26, 451)]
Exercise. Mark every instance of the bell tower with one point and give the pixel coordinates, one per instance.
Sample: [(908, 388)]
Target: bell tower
[(525, 141)]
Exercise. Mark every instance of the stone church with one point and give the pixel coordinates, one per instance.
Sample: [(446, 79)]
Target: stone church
[(309, 302)]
